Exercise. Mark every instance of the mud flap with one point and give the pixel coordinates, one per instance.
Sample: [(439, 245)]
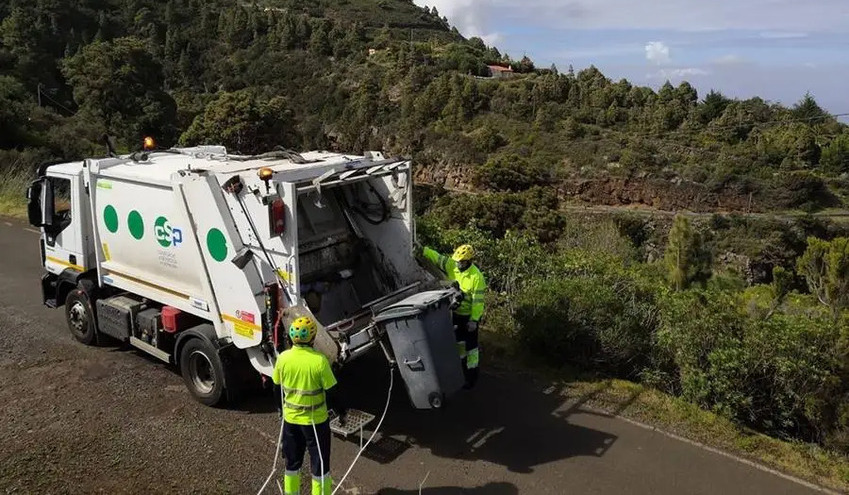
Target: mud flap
[(239, 376), (49, 285)]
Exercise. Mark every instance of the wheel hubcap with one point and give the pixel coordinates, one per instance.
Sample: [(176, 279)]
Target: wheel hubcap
[(77, 317), (203, 376)]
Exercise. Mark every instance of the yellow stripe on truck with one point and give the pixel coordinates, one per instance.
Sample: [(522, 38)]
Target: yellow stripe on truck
[(72, 266), (242, 327), (147, 284)]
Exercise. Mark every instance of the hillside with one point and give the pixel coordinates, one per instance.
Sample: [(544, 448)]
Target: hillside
[(357, 74)]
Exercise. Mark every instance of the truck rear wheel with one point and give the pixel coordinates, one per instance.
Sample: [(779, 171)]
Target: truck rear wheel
[(80, 316), (202, 371)]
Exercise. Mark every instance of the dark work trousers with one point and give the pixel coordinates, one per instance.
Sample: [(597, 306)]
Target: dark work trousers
[(470, 339), (298, 438)]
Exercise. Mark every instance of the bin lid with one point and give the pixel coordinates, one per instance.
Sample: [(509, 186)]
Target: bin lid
[(413, 305)]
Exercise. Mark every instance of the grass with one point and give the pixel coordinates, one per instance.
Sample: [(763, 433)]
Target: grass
[(630, 400), (13, 186)]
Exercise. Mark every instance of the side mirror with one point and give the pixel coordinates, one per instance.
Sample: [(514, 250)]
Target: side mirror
[(34, 213), (47, 205), (40, 203)]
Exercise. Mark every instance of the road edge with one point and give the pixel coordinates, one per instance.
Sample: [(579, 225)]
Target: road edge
[(714, 450)]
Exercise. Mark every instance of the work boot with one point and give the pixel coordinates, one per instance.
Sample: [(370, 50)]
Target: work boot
[(471, 378), (325, 488), (292, 483)]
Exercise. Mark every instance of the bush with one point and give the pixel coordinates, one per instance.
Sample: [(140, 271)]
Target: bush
[(534, 211), (601, 237), (802, 190), (511, 173), (601, 317), (780, 373)]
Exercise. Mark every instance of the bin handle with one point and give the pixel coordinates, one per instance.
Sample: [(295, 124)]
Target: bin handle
[(409, 363)]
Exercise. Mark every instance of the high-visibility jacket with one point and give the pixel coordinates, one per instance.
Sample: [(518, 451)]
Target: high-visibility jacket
[(471, 281), (305, 376)]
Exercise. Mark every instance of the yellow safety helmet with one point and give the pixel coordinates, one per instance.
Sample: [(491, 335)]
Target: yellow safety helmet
[(463, 253), (303, 330)]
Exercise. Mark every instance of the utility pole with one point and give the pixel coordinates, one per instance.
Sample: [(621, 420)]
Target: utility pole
[(39, 94)]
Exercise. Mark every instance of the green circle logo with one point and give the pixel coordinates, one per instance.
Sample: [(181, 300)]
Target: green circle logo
[(110, 218), (216, 244), (136, 224)]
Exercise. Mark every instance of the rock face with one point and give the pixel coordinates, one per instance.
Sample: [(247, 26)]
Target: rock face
[(654, 193), (449, 177)]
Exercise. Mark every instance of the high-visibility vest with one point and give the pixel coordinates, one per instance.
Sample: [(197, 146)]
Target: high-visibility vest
[(471, 281), (305, 376)]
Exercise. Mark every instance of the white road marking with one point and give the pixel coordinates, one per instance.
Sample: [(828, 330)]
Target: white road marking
[(8, 224), (486, 437), (32, 230)]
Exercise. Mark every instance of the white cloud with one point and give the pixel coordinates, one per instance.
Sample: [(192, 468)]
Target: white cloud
[(772, 17), (468, 16), (491, 39), (657, 52), (678, 73)]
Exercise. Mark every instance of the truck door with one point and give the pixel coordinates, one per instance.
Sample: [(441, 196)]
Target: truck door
[(62, 233)]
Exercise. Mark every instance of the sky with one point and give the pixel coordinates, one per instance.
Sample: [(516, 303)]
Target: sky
[(775, 49)]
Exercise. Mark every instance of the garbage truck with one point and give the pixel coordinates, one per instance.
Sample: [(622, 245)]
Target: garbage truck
[(201, 258)]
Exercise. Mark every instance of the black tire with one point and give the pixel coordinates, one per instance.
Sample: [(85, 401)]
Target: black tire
[(79, 313), (202, 372)]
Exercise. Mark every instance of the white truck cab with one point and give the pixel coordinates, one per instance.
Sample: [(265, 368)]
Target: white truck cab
[(202, 258)]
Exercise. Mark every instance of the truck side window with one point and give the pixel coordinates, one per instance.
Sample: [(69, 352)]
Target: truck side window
[(61, 202)]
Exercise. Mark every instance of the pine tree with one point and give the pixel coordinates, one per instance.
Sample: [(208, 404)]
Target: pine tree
[(807, 109), (687, 260)]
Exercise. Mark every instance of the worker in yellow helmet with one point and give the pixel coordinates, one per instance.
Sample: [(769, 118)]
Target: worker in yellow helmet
[(308, 384), (460, 268)]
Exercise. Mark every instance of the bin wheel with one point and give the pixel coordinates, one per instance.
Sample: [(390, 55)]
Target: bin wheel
[(435, 400)]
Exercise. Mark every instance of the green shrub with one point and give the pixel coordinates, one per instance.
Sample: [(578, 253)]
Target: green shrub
[(780, 373), (511, 173), (825, 266), (601, 317), (801, 190)]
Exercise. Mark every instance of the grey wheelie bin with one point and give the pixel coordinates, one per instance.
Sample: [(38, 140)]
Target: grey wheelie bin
[(421, 332)]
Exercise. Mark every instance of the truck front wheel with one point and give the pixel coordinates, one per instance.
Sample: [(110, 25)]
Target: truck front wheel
[(202, 371), (80, 316)]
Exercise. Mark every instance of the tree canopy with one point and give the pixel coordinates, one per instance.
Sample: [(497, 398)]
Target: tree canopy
[(390, 75)]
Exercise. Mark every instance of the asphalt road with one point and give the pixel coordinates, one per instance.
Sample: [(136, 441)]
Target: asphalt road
[(79, 419)]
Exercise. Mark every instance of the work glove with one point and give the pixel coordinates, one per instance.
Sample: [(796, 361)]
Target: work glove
[(472, 326), (278, 400)]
